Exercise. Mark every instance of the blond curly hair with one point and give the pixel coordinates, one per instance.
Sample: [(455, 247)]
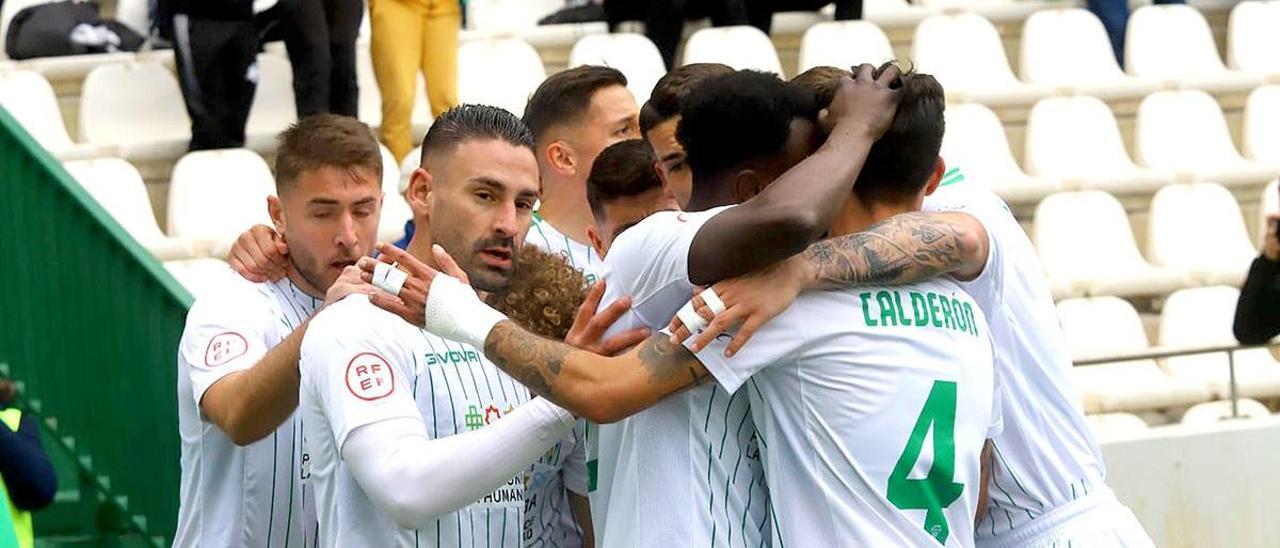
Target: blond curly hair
[(544, 294)]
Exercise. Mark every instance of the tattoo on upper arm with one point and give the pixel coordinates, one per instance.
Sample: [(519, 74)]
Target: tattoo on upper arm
[(903, 249), (665, 360)]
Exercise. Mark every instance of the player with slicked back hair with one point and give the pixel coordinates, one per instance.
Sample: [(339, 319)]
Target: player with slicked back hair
[(624, 188)]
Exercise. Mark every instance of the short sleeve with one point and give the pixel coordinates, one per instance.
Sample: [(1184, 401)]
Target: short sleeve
[(575, 465), (223, 336), (775, 342), (357, 368)]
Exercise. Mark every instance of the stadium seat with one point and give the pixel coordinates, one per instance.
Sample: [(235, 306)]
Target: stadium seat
[(199, 276), (844, 44), (135, 108), (1086, 247), (507, 16), (1115, 426), (1217, 411), (975, 141), (369, 109), (1202, 317), (995, 10), (31, 100), (1087, 66), (1101, 327), (273, 105), (1269, 204), (1262, 124), (965, 53), (1076, 140), (215, 195), (633, 54), (1172, 43), (500, 72), (135, 14), (741, 47), (395, 211), (1252, 40), (1198, 228), (1185, 132), (118, 187)]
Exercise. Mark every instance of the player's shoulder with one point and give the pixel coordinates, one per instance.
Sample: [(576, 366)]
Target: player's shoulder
[(355, 318), (657, 231), (227, 295)]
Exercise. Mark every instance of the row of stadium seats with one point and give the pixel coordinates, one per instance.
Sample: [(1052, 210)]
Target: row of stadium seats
[(1124, 426), (1101, 327)]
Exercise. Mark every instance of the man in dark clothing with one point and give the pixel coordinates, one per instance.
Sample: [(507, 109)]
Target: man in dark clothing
[(24, 466), (664, 19), (761, 11), (320, 36), (215, 46), (1258, 310)]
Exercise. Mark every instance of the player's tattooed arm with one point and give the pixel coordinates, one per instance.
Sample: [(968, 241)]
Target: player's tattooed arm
[(905, 248), (598, 388)]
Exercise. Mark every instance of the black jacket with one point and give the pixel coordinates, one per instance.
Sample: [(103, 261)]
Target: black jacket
[(1258, 311)]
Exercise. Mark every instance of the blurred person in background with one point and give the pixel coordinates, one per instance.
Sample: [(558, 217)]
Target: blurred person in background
[(761, 11), (1258, 311), (27, 480), (664, 19), (1114, 15), (215, 47), (320, 36), (412, 36)]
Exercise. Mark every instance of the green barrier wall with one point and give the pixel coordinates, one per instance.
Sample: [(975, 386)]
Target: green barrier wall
[(89, 324)]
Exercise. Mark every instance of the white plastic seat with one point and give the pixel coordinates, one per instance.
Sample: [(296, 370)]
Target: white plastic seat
[(741, 47), (30, 99), (215, 195), (1172, 43), (118, 187), (369, 103), (273, 107), (1202, 317), (201, 277), (135, 14), (1088, 66), (135, 108), (1086, 247), (995, 10), (1198, 228), (1115, 426), (633, 54), (1185, 132), (1252, 40), (501, 73), (1101, 327), (1262, 124), (508, 15), (1076, 139), (395, 211), (844, 44), (409, 165), (965, 53), (975, 141), (1218, 411)]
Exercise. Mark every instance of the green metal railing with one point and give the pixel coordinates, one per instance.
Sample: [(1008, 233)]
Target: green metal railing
[(90, 323)]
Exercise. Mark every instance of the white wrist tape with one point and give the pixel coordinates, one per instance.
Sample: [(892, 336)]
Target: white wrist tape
[(712, 301), (454, 311), (692, 321), (389, 278)]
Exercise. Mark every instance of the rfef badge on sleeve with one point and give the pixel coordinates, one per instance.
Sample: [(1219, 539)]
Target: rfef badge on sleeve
[(369, 377), (225, 347)]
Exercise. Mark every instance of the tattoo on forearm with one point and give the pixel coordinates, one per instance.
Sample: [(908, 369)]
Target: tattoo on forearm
[(530, 359), (903, 249), (665, 360)]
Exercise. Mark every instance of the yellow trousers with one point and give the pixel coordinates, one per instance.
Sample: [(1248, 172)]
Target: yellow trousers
[(410, 36)]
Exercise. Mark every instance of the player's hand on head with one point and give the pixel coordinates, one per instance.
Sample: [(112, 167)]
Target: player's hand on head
[(867, 102), (589, 327), (351, 282), (746, 302), (260, 255)]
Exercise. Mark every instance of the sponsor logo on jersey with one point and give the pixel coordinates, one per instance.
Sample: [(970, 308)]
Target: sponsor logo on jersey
[(509, 495), (456, 357), (225, 347), (369, 377), (886, 308)]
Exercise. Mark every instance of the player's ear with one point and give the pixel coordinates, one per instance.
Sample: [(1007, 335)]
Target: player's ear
[(276, 211), (748, 183), (597, 242), (559, 155), (935, 178), (419, 192)]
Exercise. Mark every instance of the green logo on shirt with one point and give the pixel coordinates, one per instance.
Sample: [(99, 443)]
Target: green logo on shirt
[(887, 308)]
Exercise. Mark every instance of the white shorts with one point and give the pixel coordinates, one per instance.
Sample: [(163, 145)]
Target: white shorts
[(1096, 520)]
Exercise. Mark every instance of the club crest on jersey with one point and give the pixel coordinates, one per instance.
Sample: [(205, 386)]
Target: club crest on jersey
[(225, 347), (369, 377)]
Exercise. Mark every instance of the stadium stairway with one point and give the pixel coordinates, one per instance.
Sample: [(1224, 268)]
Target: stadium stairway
[(89, 323)]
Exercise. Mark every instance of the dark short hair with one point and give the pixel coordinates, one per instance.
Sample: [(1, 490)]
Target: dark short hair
[(898, 165), (664, 101), (622, 170), (465, 122), (822, 81), (324, 140), (566, 95), (731, 119)]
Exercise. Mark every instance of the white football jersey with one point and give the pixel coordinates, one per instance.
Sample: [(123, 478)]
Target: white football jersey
[(873, 406), (230, 495), (1046, 456), (685, 472), (579, 255), (361, 365)]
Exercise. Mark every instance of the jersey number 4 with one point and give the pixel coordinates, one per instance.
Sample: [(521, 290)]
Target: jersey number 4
[(937, 490)]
